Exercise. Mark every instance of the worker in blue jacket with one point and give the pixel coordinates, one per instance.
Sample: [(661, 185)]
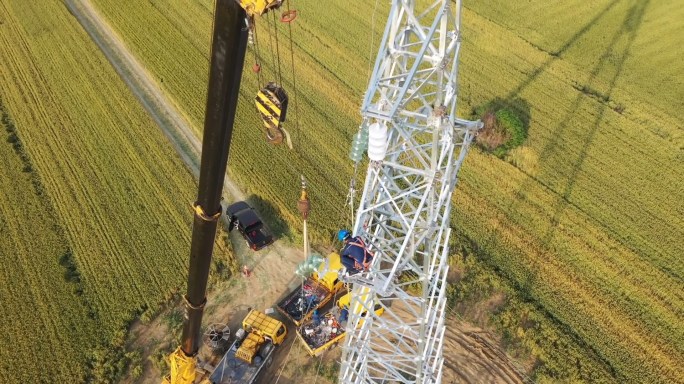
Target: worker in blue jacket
[(316, 317), (354, 255)]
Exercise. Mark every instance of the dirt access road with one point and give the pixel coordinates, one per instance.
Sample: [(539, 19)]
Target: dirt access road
[(471, 354)]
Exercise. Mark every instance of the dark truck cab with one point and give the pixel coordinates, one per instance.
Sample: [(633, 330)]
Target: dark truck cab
[(245, 219)]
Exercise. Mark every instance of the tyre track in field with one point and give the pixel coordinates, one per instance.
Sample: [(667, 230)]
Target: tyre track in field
[(160, 108)]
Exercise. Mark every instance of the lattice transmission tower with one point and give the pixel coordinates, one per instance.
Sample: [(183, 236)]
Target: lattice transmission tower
[(416, 147)]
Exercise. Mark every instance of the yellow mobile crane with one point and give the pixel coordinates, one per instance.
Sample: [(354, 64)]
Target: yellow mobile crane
[(232, 20)]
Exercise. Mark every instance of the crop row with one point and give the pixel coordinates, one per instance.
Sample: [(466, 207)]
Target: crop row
[(584, 32), (577, 272), (42, 313), (120, 200)]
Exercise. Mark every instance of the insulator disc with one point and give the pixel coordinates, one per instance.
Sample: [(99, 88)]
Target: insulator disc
[(364, 134), (377, 141), (359, 145)]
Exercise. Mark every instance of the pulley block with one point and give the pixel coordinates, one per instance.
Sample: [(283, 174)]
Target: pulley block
[(271, 102)]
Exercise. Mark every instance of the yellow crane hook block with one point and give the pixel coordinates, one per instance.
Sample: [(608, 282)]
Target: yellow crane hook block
[(259, 7), (271, 102)]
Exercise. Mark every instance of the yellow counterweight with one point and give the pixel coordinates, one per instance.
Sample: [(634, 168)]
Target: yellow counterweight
[(259, 7)]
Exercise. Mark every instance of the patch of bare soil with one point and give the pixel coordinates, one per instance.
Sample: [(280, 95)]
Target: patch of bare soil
[(471, 354), (492, 135), (228, 302)]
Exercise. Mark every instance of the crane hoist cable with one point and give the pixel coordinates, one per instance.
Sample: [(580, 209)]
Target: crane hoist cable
[(270, 43), (272, 101), (277, 45), (257, 58), (288, 17), (360, 140)]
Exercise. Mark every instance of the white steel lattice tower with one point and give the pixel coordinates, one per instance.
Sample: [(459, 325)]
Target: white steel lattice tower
[(404, 210)]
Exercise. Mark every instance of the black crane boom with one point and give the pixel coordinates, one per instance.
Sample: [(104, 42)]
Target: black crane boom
[(229, 43)]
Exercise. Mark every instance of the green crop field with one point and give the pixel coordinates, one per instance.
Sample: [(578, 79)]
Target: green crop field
[(94, 213), (584, 221), (589, 225), (42, 311)]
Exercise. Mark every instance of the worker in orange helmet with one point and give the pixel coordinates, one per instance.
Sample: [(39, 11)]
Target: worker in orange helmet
[(354, 255)]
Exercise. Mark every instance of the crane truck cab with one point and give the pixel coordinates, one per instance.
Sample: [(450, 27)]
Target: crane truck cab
[(319, 335), (315, 292), (252, 350)]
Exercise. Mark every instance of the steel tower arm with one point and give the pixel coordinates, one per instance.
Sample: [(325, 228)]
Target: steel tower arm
[(406, 201)]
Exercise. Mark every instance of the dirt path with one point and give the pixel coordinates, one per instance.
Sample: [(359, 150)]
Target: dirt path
[(471, 355), (143, 86)]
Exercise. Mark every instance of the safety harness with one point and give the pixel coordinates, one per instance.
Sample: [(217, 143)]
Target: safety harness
[(366, 253)]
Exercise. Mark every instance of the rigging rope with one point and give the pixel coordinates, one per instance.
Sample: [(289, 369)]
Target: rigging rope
[(352, 184), (351, 195), (275, 26), (320, 362), (294, 83), (287, 357), (370, 45), (270, 39), (257, 58)]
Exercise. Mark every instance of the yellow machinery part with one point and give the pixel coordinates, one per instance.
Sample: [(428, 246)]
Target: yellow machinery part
[(259, 7), (182, 368), (248, 348), (259, 327), (327, 272), (268, 100), (262, 325), (345, 302)]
